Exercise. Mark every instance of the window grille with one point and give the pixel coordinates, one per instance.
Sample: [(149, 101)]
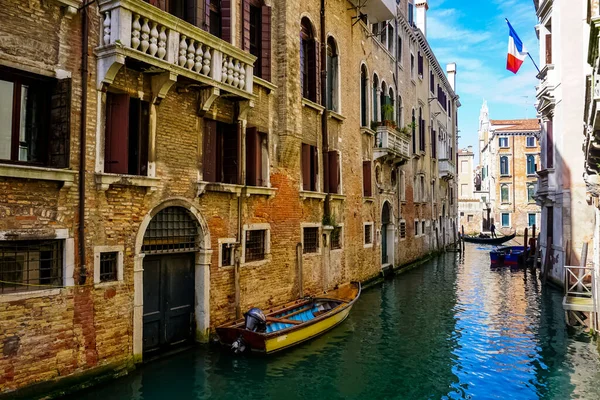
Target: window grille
[(368, 234), (172, 230), (226, 254), (336, 238), (311, 240), (108, 266), (402, 230), (29, 265), (255, 245)]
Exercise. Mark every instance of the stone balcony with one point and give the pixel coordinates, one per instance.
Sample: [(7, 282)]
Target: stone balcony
[(446, 168), (391, 145), (546, 186), (376, 10), (545, 90), (158, 42)]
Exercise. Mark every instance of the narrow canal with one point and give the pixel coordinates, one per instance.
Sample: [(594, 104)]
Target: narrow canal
[(449, 329)]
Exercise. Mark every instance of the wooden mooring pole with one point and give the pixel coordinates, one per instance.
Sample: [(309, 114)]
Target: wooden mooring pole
[(547, 260), (525, 245)]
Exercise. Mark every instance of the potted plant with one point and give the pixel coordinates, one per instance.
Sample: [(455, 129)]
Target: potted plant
[(388, 115)]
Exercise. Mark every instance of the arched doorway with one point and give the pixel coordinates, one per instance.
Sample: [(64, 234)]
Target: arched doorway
[(387, 235), (170, 244)]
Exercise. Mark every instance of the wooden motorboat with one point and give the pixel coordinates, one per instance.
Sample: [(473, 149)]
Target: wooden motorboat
[(489, 240), (508, 255), (290, 324)]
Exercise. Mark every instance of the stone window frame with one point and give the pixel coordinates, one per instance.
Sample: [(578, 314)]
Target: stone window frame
[(502, 200), (502, 222), (317, 225), (342, 243), (527, 142), (221, 242), (372, 242), (536, 218), (68, 269), (256, 227), (400, 237), (98, 250)]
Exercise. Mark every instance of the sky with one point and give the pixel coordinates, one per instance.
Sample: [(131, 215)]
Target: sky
[(474, 34)]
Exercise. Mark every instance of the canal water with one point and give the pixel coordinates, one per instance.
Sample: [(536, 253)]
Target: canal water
[(450, 329)]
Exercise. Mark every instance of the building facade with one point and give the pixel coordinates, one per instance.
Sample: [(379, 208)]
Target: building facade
[(227, 163), (567, 221), (470, 206)]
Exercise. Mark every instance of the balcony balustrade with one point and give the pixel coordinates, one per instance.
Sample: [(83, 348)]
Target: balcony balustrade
[(391, 145), (447, 169), (546, 185)]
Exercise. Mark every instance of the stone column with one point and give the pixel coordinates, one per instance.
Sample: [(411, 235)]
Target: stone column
[(202, 294)]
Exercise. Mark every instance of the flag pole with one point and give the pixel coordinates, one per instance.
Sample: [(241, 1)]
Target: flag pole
[(529, 54)]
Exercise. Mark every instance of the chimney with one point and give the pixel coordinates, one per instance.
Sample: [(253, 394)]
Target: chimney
[(451, 70), (470, 149), (422, 8)]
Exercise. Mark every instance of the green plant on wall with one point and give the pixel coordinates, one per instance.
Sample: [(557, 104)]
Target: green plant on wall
[(407, 129), (329, 219), (388, 112)]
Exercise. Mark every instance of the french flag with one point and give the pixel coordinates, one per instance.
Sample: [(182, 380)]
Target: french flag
[(516, 50)]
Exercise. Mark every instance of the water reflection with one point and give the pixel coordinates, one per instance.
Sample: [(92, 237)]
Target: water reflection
[(452, 329)]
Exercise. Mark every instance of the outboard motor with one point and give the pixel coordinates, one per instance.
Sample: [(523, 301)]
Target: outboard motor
[(255, 321)]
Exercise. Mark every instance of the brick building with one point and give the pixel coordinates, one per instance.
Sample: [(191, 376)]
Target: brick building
[(237, 154), (470, 203)]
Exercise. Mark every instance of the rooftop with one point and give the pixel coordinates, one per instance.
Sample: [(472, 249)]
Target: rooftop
[(508, 125)]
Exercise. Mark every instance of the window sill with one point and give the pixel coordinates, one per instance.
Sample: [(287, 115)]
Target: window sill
[(10, 297), (368, 245), (367, 131), (259, 191), (312, 195), (104, 181), (505, 176), (335, 115), (338, 197), (219, 188), (368, 199), (265, 84), (311, 104), (66, 176), (534, 175)]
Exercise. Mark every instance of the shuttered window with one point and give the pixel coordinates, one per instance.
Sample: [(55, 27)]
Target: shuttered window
[(309, 167), (549, 48), (334, 172), (363, 96), (126, 135), (256, 35), (420, 64), (220, 152), (217, 18), (367, 185), (309, 60), (414, 134), (549, 145), (255, 143), (421, 131)]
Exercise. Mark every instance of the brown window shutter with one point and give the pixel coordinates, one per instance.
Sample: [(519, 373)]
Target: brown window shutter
[(144, 139), (549, 48), (312, 65), (226, 20), (317, 73), (246, 25), (549, 145), (259, 158), (367, 178), (315, 168), (306, 167), (60, 125), (207, 15), (230, 138), (116, 151), (251, 153), (209, 150), (334, 171), (191, 12), (265, 45)]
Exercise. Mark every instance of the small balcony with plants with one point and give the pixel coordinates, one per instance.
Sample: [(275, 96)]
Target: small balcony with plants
[(391, 142)]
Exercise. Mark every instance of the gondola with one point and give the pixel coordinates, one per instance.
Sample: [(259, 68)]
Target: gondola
[(508, 256), (483, 240), (290, 324)]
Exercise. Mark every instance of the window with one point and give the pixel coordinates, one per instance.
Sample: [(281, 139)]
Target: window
[(412, 66), (421, 130), (531, 219), (367, 185), (549, 145), (220, 157), (383, 101), (504, 193), (173, 229), (504, 165), (310, 242), (399, 50), (417, 228), (503, 142), (257, 155), (402, 229), (422, 227), (383, 33), (420, 64), (108, 266), (34, 119), (310, 162), (422, 188), (400, 112), (257, 36), (411, 14), (431, 82), (364, 121), (531, 193), (334, 182), (470, 218), (464, 189), (464, 166), (390, 37), (530, 141), (531, 165), (332, 75), (215, 19), (309, 54), (402, 186), (505, 220), (26, 264), (393, 178), (369, 233), (336, 238), (549, 48), (414, 133), (255, 245), (374, 98), (227, 250)]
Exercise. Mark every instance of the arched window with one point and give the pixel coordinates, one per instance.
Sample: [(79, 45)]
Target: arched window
[(530, 164), (400, 112), (308, 61), (504, 193), (504, 165), (375, 98), (363, 96), (531, 193), (392, 116), (383, 101), (332, 75), (414, 131), (421, 130)]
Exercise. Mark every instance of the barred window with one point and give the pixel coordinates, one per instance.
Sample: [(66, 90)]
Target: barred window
[(403, 229), (368, 234), (311, 240), (172, 230), (108, 266), (255, 245), (336, 238), (226, 254), (30, 265)]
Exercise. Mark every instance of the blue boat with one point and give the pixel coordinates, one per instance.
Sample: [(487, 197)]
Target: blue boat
[(508, 255)]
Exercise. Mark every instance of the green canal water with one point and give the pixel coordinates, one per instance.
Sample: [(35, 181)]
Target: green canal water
[(450, 329)]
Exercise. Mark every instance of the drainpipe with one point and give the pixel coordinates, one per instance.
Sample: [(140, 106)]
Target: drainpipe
[(325, 137), (240, 203), (82, 139)]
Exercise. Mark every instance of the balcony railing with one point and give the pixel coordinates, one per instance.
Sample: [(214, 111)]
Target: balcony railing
[(447, 168), (135, 29), (391, 144), (548, 80)]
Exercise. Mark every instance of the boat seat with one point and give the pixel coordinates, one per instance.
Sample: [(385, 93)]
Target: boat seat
[(303, 316)]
